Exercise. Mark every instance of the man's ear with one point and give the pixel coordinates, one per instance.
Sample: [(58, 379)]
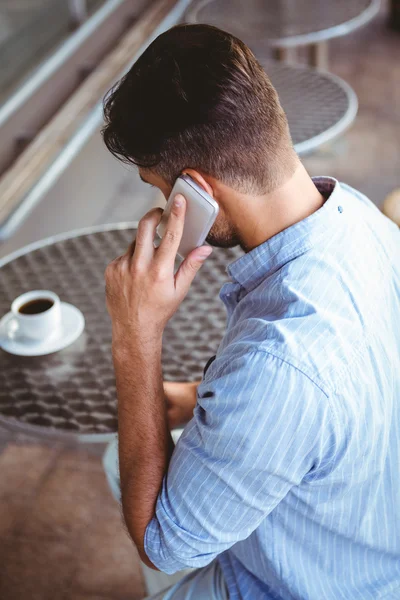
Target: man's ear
[(201, 180)]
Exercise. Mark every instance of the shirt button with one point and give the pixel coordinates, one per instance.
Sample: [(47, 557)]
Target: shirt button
[(340, 209)]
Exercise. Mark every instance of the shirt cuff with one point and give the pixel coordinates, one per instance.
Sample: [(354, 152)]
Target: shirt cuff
[(157, 552)]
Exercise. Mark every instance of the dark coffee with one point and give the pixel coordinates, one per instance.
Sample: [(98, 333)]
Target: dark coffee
[(34, 307)]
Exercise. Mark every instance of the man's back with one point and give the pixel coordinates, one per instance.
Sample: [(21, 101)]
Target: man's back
[(295, 439)]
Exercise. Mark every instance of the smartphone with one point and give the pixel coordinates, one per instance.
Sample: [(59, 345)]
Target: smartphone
[(201, 212)]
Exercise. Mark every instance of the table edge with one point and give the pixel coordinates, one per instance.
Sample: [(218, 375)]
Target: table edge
[(60, 237), (338, 128), (13, 425), (309, 38)]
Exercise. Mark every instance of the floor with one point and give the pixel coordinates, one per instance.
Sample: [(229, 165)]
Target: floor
[(61, 533)]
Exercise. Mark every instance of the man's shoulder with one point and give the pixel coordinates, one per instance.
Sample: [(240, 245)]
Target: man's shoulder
[(261, 360), (246, 381), (309, 341)]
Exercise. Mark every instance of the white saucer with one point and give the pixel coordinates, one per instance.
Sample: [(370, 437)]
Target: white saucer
[(72, 325)]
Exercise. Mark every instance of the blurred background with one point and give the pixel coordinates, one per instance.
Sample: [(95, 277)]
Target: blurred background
[(336, 66), (58, 58)]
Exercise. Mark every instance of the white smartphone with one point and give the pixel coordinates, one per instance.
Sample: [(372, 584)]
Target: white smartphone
[(201, 212)]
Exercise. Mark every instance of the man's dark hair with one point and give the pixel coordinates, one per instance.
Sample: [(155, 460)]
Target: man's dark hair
[(198, 98)]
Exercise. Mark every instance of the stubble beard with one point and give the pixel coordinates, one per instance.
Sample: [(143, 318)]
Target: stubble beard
[(223, 236)]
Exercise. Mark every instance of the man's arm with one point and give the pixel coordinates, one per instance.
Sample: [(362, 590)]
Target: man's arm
[(143, 293), (145, 443), (181, 400), (260, 426)]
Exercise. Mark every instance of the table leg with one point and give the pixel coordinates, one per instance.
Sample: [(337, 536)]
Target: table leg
[(286, 55), (79, 12), (394, 17), (318, 55)]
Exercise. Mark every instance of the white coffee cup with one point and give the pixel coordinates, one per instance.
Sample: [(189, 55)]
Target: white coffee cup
[(36, 325)]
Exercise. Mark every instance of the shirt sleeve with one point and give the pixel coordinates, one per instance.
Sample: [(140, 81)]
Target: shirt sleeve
[(259, 427)]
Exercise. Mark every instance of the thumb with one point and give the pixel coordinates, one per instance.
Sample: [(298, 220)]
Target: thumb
[(188, 269)]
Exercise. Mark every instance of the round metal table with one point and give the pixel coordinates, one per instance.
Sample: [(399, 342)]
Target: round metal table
[(319, 106), (284, 24), (72, 393)]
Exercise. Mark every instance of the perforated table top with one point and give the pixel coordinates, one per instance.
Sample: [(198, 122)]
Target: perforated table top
[(319, 106), (284, 23), (73, 391)]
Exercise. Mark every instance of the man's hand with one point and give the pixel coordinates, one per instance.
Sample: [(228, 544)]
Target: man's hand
[(141, 288), (181, 400)]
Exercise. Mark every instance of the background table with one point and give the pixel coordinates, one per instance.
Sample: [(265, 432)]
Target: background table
[(285, 24), (319, 106), (72, 392)]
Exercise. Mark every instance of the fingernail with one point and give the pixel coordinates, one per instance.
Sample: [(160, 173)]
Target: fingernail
[(178, 200), (205, 253)]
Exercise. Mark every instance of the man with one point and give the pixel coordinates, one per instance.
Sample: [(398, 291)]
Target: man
[(285, 482)]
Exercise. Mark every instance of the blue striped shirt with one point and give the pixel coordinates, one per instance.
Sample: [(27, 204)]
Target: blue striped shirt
[(289, 471)]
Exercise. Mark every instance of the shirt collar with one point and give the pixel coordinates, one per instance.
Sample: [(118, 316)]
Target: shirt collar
[(249, 270)]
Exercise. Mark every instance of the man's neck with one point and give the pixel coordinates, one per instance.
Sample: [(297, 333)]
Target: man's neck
[(259, 218)]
